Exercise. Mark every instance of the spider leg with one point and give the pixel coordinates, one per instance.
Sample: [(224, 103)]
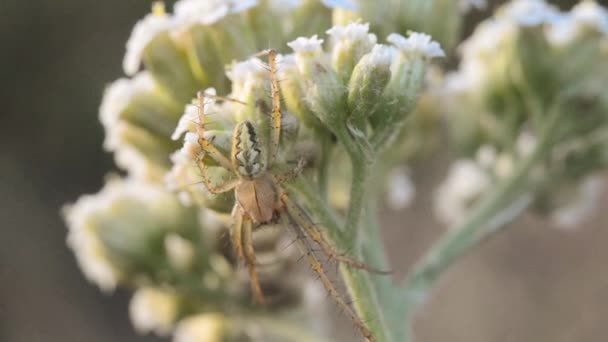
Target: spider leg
[(203, 142), (293, 173), (247, 243), (275, 133), (215, 188), (317, 267), (236, 233), (302, 219)]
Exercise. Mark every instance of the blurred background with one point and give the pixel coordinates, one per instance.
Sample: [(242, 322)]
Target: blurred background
[(532, 283)]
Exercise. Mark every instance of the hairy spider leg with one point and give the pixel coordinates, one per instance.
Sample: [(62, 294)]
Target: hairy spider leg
[(204, 143), (304, 221), (215, 189), (317, 267), (275, 133), (250, 260), (242, 242)]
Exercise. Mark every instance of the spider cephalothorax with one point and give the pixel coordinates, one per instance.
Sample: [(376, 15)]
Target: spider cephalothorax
[(260, 197)]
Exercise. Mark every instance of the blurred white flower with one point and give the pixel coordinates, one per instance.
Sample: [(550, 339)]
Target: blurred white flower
[(208, 12), (303, 45), (83, 235), (180, 251), (143, 32), (153, 310), (202, 327), (119, 94), (529, 12), (401, 189), (352, 32), (584, 203), (344, 4), (465, 182), (417, 43), (584, 16)]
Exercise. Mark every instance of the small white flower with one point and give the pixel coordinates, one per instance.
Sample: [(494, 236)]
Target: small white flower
[(208, 12), (582, 206), (83, 236), (202, 327), (585, 15), (382, 54), (153, 310), (179, 251), (188, 122), (303, 45), (419, 43), (592, 14), (465, 182), (119, 94), (143, 32), (401, 189), (344, 4), (352, 32), (251, 70), (529, 12)]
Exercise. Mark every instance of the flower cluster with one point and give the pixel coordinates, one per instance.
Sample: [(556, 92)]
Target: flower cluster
[(529, 70)]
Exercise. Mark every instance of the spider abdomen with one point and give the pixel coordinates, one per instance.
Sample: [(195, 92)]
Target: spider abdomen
[(258, 198)]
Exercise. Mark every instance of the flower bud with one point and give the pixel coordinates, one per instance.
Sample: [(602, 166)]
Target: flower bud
[(202, 327), (367, 83), (349, 44), (407, 78), (116, 233), (325, 93), (153, 310)]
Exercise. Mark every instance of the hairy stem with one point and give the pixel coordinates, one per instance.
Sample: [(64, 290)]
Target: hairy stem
[(498, 208)]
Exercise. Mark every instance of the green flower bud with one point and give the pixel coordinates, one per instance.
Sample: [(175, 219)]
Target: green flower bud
[(349, 44), (118, 233), (367, 83), (407, 78)]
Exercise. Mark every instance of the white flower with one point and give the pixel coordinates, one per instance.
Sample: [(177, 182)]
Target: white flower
[(188, 122), (143, 32), (592, 14), (345, 4), (585, 15), (352, 32), (208, 12), (303, 45), (401, 190), (529, 12), (247, 74), (179, 251), (465, 182), (119, 94), (418, 43), (153, 310), (382, 54), (582, 206), (202, 327)]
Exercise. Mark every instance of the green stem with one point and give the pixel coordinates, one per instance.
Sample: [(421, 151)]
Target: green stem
[(284, 330), (364, 288), (324, 163), (496, 210)]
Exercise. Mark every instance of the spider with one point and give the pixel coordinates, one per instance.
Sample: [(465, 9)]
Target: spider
[(261, 199)]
